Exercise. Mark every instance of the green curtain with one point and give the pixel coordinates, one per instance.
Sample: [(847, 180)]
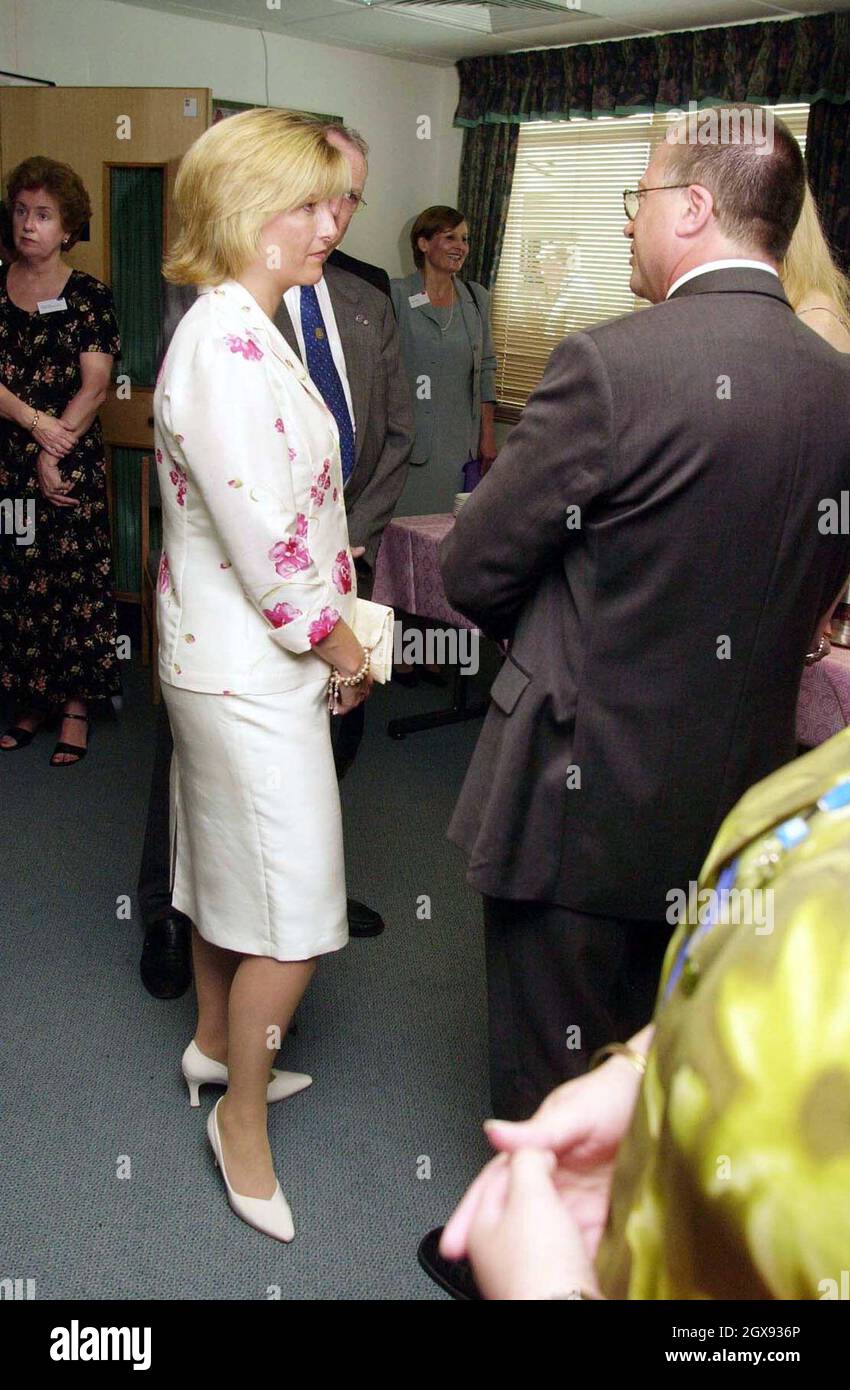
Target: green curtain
[(487, 172), (766, 63), (773, 61), (126, 508), (828, 162), (136, 212)]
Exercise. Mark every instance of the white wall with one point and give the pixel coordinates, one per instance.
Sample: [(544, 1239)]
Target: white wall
[(95, 43)]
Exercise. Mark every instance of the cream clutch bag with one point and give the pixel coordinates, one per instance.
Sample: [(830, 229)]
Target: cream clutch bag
[(373, 627)]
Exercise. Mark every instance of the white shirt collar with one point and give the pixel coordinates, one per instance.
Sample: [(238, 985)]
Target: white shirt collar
[(720, 265)]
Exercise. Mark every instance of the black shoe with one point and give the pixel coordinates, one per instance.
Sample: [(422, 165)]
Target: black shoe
[(166, 964), (433, 677), (455, 1276), (363, 920), (67, 749), (407, 678), (23, 738)]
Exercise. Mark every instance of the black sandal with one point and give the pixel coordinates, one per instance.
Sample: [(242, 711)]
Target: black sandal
[(80, 753), (24, 737)]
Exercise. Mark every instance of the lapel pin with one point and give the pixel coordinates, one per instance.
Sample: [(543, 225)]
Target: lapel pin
[(359, 318)]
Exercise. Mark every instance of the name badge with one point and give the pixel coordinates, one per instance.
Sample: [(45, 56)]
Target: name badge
[(51, 306), (416, 300)]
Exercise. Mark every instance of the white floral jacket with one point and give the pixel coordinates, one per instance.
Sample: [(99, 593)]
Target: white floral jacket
[(255, 564)]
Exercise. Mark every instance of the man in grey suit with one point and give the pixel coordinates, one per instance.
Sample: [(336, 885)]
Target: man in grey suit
[(650, 542), (352, 310), (363, 336)]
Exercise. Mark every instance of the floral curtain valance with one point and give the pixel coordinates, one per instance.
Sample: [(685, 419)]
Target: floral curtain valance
[(769, 62)]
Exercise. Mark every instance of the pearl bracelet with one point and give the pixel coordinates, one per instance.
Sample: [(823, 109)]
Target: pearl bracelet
[(820, 652), (336, 680)]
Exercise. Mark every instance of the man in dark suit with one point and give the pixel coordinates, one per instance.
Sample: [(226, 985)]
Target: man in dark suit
[(649, 542), (353, 300)]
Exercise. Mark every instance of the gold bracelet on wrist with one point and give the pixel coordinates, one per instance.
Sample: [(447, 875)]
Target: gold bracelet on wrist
[(635, 1059), (34, 422)]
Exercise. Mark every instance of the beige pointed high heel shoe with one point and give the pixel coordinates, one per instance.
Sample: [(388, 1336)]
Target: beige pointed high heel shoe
[(270, 1215), (200, 1070)]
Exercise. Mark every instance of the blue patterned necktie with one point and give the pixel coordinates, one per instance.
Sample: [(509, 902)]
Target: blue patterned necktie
[(322, 369)]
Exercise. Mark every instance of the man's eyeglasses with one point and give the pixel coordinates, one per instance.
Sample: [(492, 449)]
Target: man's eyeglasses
[(355, 200), (632, 197)]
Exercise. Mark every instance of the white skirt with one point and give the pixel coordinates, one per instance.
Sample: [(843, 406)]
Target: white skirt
[(256, 830)]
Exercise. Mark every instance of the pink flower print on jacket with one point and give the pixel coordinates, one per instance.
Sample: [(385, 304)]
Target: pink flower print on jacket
[(246, 346), (292, 555), (178, 478), (278, 424), (341, 572), (321, 484), (323, 626), (164, 574), (281, 614)]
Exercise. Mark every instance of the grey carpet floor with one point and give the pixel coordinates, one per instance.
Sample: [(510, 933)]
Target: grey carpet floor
[(107, 1185)]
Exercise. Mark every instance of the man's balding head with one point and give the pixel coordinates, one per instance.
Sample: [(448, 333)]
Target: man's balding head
[(752, 165)]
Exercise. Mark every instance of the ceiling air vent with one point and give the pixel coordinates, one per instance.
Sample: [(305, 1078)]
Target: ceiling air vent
[(485, 16)]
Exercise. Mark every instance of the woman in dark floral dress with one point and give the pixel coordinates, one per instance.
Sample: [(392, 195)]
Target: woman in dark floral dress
[(58, 339)]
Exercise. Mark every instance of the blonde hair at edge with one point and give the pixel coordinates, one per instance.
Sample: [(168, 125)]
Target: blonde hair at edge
[(237, 176), (809, 267)]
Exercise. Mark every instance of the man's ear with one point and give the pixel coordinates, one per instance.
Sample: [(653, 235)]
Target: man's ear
[(700, 207)]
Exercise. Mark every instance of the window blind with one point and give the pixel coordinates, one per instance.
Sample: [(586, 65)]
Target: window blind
[(565, 261)]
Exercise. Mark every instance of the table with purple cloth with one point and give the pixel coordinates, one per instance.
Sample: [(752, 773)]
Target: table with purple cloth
[(408, 579), (407, 573), (824, 705)]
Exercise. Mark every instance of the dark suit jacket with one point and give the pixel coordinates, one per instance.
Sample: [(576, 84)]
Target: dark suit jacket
[(372, 274), (699, 523), (383, 411)]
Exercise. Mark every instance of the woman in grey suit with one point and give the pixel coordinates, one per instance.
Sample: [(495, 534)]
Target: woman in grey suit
[(450, 363)]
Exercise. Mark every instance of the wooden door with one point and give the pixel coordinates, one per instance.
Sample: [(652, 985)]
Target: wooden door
[(95, 129)]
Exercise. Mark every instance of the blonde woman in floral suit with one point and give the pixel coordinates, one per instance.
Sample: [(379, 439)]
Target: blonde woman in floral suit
[(256, 592)]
